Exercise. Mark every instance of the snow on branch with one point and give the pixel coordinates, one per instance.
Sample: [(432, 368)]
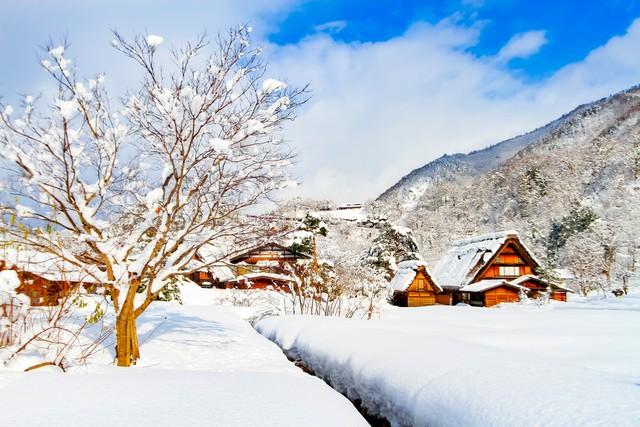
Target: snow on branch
[(139, 186)]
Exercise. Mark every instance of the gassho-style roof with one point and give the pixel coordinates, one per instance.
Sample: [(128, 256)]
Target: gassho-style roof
[(465, 258), (406, 274), (266, 248)]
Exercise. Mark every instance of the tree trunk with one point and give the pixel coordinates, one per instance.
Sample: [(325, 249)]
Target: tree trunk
[(127, 351)]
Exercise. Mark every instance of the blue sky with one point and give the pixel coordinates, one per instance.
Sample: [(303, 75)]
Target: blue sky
[(573, 27), (395, 84)]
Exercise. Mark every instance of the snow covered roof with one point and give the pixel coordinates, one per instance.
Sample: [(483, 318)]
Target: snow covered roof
[(487, 284), (222, 272), (461, 263), (49, 266), (268, 249), (407, 271), (262, 275), (533, 277)]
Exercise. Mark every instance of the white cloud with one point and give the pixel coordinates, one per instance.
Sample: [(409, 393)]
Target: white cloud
[(381, 109), (523, 45), (331, 26)]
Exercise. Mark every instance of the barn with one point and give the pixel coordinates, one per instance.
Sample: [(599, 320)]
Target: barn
[(491, 269), (413, 285)]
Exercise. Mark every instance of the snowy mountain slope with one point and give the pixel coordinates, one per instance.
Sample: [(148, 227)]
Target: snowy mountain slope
[(572, 190), (410, 188)]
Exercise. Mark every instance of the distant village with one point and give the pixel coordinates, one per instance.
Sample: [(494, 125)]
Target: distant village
[(483, 270)]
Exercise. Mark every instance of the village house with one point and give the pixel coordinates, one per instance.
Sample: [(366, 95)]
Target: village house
[(413, 285), (259, 267), (44, 278), (491, 269), (482, 271)]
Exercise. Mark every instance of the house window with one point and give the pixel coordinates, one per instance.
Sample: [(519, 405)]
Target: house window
[(422, 285), (509, 270)]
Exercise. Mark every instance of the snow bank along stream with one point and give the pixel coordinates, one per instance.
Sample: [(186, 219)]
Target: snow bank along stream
[(571, 364)]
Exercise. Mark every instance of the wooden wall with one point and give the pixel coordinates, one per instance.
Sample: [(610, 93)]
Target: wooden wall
[(419, 299), (446, 299), (500, 294), (422, 291), (508, 256)]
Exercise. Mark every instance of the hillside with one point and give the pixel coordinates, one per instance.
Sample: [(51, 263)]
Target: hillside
[(570, 187), (406, 192)]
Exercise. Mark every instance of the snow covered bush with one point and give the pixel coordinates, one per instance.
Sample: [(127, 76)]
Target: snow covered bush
[(140, 187), (64, 335)]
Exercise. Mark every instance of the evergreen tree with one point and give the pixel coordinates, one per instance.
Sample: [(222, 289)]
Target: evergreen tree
[(394, 244)]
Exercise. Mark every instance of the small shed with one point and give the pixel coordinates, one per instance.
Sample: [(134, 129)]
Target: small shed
[(413, 285), (488, 293)]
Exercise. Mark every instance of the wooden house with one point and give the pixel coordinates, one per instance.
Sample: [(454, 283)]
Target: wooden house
[(270, 254), (413, 285), (45, 278), (491, 269), (214, 276), (259, 267)]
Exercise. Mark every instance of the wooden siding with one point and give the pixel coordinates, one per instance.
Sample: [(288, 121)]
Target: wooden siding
[(419, 299), (559, 296), (422, 291), (499, 295), (422, 283), (445, 299), (510, 255)]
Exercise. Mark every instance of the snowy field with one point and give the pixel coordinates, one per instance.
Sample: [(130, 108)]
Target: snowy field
[(200, 366), (565, 364)]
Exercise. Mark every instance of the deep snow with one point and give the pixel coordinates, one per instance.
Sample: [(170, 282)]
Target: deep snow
[(563, 364), (201, 366)]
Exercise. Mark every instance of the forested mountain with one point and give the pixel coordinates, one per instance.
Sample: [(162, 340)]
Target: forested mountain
[(570, 187)]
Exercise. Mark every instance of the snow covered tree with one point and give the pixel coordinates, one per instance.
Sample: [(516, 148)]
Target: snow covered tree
[(393, 245), (577, 221), (592, 257), (304, 236), (139, 188)]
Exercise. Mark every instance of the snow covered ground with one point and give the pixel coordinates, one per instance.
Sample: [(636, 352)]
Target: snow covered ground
[(201, 365), (562, 364)]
